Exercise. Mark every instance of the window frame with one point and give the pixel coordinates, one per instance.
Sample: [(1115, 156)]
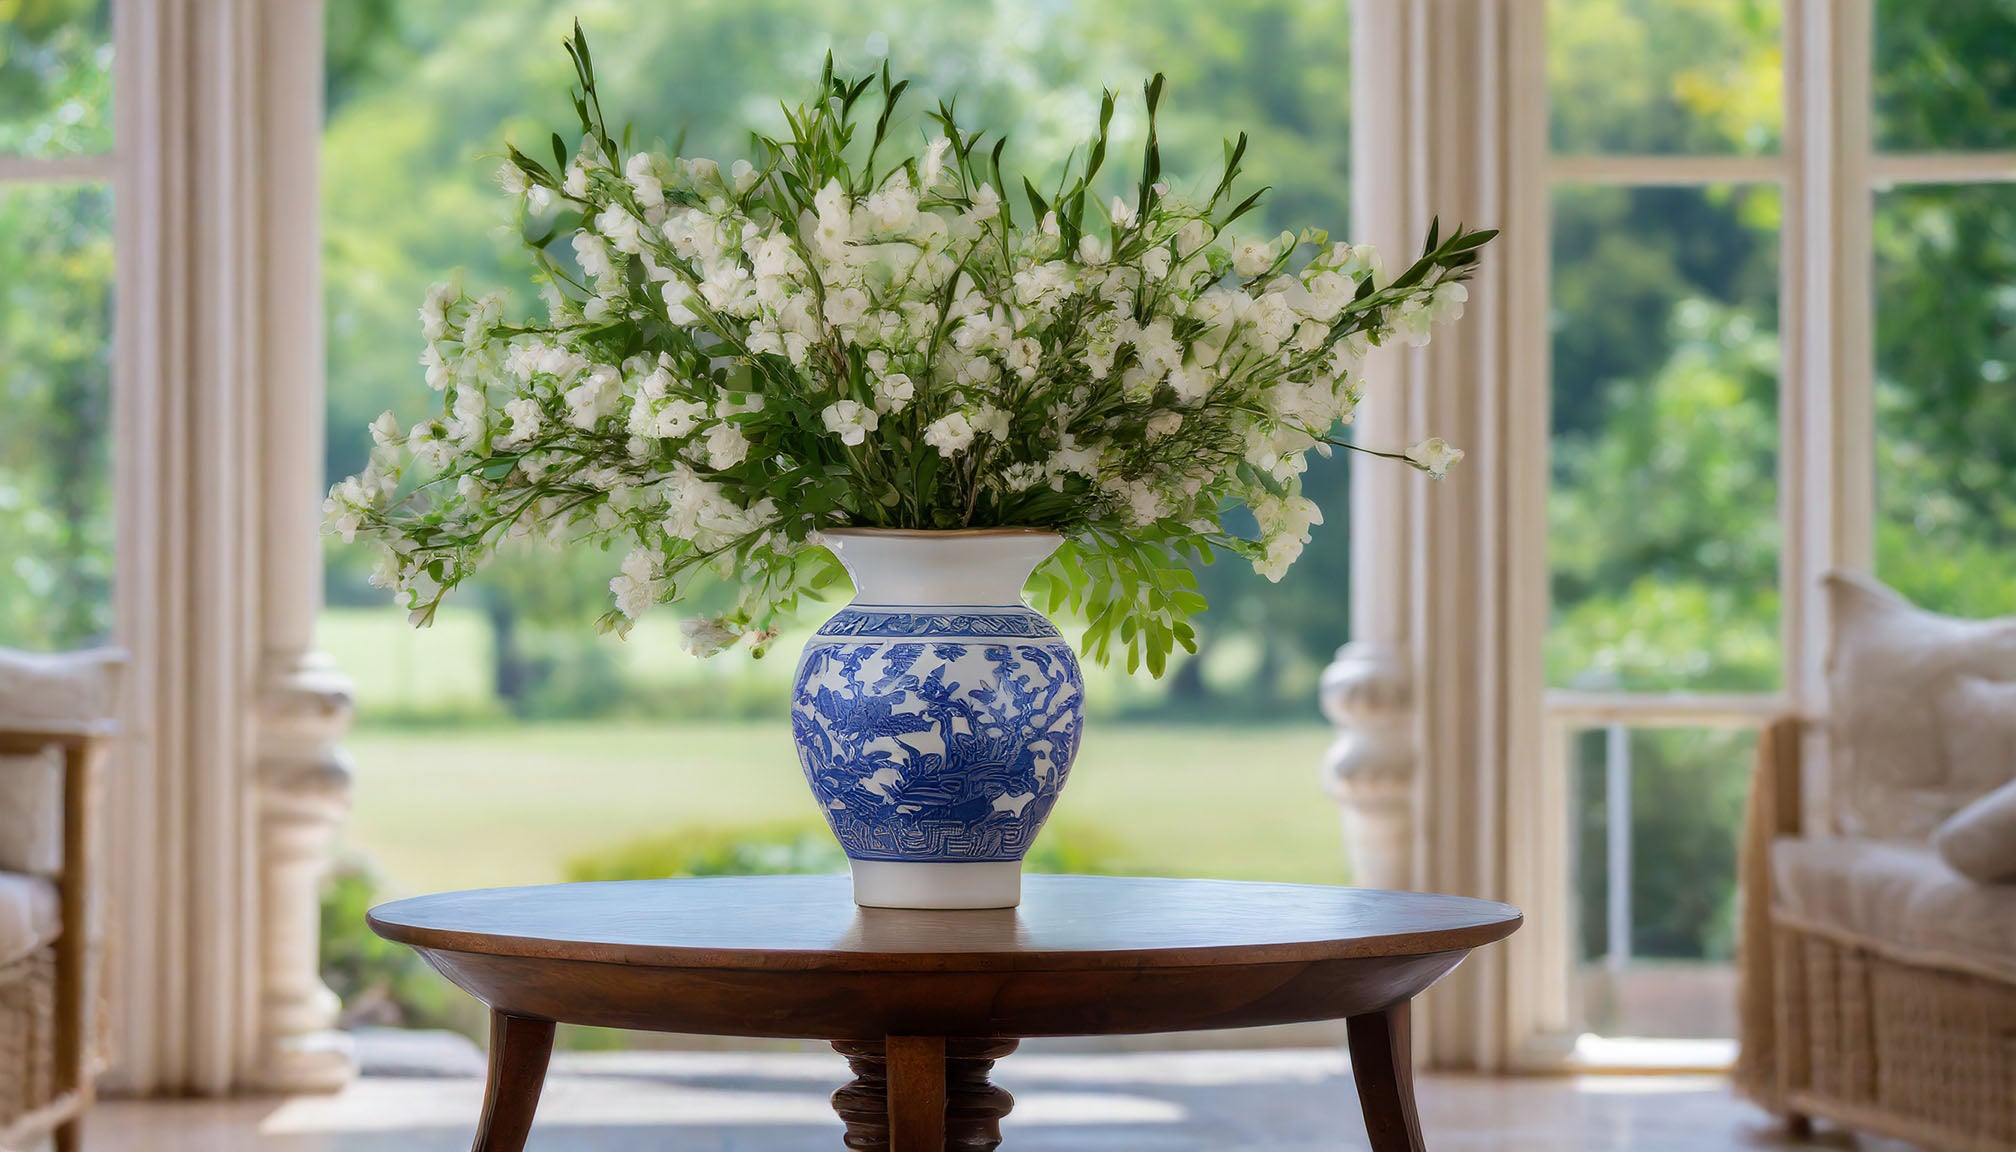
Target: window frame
[(1829, 173)]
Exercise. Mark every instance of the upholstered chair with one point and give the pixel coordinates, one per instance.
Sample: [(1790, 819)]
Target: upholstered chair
[(1878, 963), (56, 727)]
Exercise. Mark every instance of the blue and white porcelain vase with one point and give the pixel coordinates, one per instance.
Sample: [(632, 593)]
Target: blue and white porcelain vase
[(937, 715)]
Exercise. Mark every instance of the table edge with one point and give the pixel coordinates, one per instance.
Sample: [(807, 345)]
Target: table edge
[(1461, 938)]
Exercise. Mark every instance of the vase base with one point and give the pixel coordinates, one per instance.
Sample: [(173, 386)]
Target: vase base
[(896, 884)]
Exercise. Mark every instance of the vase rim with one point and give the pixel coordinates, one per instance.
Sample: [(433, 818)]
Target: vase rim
[(938, 533)]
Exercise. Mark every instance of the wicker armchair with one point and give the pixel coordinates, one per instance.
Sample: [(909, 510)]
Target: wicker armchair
[(1878, 986), (55, 730)]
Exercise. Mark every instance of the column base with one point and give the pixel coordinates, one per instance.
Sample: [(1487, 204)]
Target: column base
[(896, 884), (317, 1062)]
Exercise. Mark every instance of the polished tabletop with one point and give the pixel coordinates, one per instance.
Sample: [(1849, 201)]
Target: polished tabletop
[(1065, 923)]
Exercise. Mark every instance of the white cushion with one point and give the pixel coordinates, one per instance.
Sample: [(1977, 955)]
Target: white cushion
[(31, 915), (31, 813), (38, 689), (1889, 670), (1899, 899), (1979, 842)]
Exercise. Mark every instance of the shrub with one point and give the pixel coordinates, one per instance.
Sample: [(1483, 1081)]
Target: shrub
[(787, 848)]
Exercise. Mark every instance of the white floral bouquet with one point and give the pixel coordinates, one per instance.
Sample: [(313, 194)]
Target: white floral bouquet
[(829, 334)]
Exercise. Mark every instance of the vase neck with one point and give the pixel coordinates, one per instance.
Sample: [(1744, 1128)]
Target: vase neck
[(939, 568)]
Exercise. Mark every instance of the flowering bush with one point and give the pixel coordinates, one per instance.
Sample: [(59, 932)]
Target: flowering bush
[(830, 334)]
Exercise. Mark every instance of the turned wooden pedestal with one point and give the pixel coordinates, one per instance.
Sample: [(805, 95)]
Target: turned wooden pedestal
[(946, 1080), (923, 1003)]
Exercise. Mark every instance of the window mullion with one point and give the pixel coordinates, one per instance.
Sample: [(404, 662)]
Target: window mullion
[(1665, 171), (1828, 457), (102, 167)]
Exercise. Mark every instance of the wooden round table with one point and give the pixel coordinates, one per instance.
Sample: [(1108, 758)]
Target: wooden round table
[(923, 1003)]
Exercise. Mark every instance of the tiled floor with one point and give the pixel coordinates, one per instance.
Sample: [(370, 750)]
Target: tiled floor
[(1278, 1101)]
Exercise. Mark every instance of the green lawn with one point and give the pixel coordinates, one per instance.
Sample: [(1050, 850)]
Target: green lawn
[(511, 804)]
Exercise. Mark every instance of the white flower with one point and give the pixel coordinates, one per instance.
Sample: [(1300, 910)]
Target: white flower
[(744, 175), (1191, 383), (986, 203), (624, 231), (1284, 528), (1280, 553), (679, 300), (1092, 249), (1359, 261), (893, 207), (1025, 356), (437, 368), (893, 391), (1434, 456), (385, 430), (1191, 238), (990, 420), (595, 397), (850, 420), (1447, 302), (642, 174), (726, 446), (637, 587), (703, 636), (512, 178), (525, 420), (1329, 292), (1415, 322), (1155, 263), (1144, 504), (433, 311), (775, 256), (931, 168), (592, 254), (1162, 424), (1252, 258), (700, 170), (845, 307), (835, 226), (1122, 213), (951, 434), (1069, 457), (576, 182)]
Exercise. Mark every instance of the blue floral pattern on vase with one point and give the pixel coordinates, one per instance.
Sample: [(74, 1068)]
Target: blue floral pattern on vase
[(937, 734)]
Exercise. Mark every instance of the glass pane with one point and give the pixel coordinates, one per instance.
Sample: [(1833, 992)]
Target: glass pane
[(55, 388), (1658, 813), (585, 740), (56, 77), (1946, 395), (1663, 536), (1665, 76), (1945, 75)]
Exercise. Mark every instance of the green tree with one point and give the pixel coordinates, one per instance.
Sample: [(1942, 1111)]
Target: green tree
[(55, 331)]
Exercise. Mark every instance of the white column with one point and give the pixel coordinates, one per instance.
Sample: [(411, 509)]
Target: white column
[(1366, 691), (303, 776), (232, 783), (1438, 696)]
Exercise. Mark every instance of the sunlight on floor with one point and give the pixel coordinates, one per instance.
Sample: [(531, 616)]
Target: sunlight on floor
[(1295, 1100)]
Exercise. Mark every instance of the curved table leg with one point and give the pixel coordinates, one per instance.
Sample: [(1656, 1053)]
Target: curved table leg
[(1382, 1064), (519, 1049), (922, 1094)]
